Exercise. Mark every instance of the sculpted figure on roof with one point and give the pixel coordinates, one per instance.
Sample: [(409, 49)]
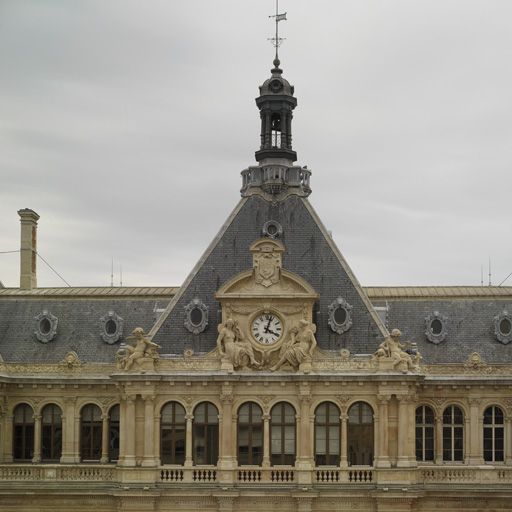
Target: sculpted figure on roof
[(298, 350), (142, 353), (234, 350), (394, 350)]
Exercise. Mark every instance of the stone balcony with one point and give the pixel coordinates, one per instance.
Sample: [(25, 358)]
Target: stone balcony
[(254, 476)]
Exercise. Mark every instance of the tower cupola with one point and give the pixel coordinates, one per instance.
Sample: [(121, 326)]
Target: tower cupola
[(276, 175), (276, 103)]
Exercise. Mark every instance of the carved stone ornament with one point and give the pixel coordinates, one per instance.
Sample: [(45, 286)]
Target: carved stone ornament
[(272, 229), (111, 326), (340, 316), (474, 363), (503, 327), (267, 261), (141, 354), (196, 316), (436, 327), (235, 352), (46, 326), (392, 354), (71, 360)]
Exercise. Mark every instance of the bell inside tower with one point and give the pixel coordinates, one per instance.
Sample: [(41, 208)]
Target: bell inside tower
[(275, 126)]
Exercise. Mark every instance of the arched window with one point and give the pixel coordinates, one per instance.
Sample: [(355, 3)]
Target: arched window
[(206, 434), (113, 433), (250, 435), (172, 433), (360, 435), (493, 434), (424, 433), (282, 434), (327, 435), (90, 433), (453, 434), (51, 433), (276, 130), (23, 433)]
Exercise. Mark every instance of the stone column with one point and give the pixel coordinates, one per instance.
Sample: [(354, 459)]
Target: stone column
[(268, 131), (8, 438), (129, 431), (382, 439), (284, 143), (266, 440), (343, 440), (37, 439), (405, 428), (227, 460), (508, 439), (262, 131), (68, 432), (411, 447), (104, 439), (188, 440), (77, 452), (158, 419), (438, 438), (305, 462), (467, 440), (474, 434), (149, 431)]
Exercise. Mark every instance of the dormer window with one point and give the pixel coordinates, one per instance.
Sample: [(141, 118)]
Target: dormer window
[(111, 326), (196, 316), (340, 315), (436, 327), (45, 326), (503, 327)]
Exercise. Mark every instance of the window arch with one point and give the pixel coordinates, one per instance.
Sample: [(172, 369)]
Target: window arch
[(206, 434), (250, 435), (51, 433), (113, 433), (23, 433), (453, 434), (360, 434), (172, 433), (90, 433), (493, 434), (327, 434), (282, 434), (425, 426)]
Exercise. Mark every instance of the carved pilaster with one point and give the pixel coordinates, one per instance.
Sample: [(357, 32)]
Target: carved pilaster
[(104, 439), (474, 433), (70, 452), (128, 431), (266, 440), (382, 429), (227, 460), (189, 418), (508, 438), (37, 439), (149, 431), (343, 440), (439, 438)]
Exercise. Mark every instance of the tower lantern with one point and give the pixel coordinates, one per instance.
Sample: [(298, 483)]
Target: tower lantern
[(276, 103)]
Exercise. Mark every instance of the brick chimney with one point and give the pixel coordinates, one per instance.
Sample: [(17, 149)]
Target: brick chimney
[(28, 248)]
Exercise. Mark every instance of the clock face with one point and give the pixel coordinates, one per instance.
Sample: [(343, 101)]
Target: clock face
[(267, 328)]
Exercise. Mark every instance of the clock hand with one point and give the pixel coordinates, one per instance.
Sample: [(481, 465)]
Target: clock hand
[(272, 332), (268, 324)]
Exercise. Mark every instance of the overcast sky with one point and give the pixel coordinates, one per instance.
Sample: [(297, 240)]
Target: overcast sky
[(125, 125)]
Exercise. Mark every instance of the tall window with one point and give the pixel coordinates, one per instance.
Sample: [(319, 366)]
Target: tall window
[(493, 434), (282, 434), (90, 433), (360, 434), (453, 434), (113, 433), (23, 433), (51, 433), (250, 435), (424, 433), (172, 434), (327, 435), (206, 434)]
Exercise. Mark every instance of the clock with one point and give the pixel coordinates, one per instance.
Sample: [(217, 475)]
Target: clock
[(267, 328)]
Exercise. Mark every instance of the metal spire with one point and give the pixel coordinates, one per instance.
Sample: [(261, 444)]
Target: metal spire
[(276, 40)]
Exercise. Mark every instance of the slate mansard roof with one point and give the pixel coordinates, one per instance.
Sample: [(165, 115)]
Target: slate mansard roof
[(469, 311)]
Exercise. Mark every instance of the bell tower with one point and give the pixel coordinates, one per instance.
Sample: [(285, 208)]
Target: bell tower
[(276, 103), (276, 174)]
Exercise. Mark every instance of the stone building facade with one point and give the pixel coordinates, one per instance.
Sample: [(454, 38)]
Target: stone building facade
[(270, 380)]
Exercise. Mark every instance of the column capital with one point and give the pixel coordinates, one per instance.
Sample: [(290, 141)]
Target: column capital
[(383, 399), (266, 417), (148, 398), (189, 417), (37, 417)]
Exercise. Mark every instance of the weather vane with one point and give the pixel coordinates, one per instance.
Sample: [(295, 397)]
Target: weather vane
[(276, 40)]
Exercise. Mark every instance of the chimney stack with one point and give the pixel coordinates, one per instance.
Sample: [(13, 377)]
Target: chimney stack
[(28, 248)]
